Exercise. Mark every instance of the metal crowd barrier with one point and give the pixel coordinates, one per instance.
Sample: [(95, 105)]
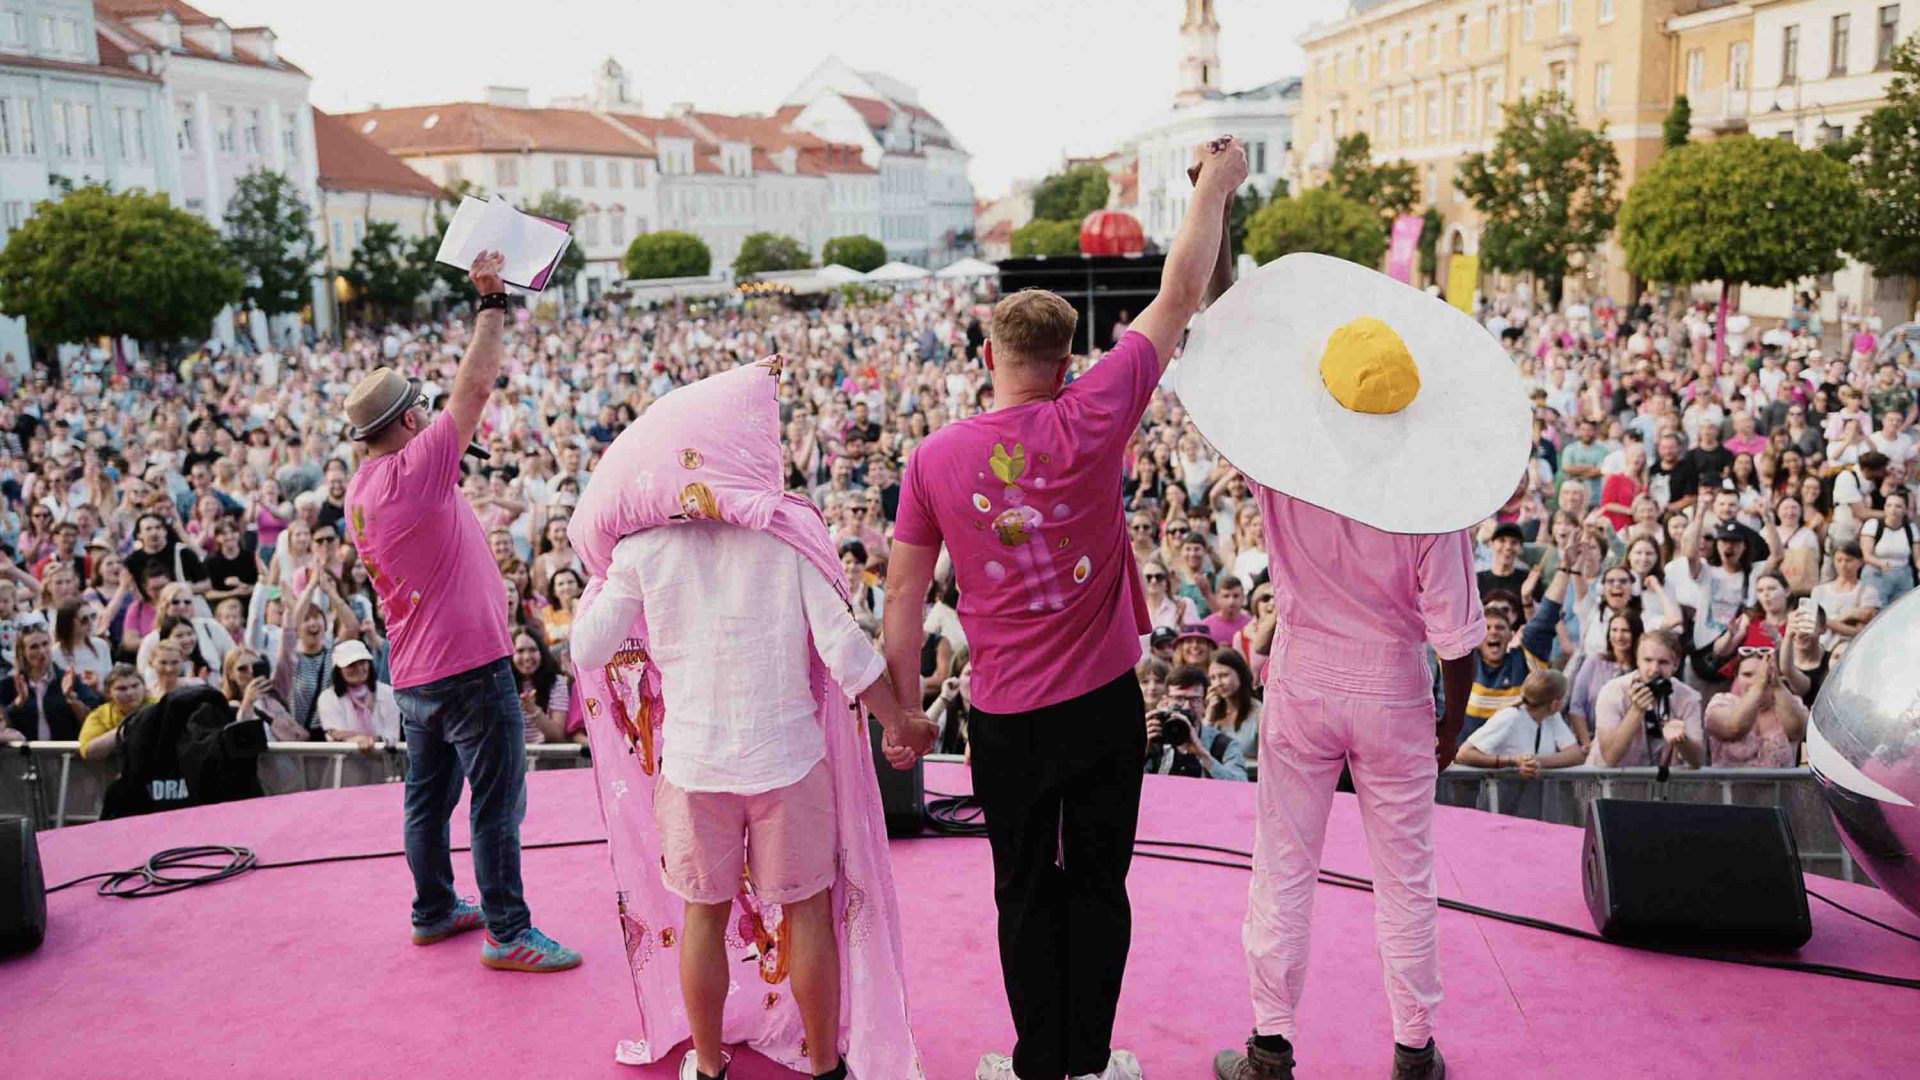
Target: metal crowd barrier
[(52, 784)]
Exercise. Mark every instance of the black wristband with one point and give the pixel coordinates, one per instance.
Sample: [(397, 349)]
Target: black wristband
[(493, 301)]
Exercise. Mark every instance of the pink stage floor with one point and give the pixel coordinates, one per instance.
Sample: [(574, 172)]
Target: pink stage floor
[(308, 972)]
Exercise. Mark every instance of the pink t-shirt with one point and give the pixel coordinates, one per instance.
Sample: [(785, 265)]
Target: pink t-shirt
[(428, 558), (1027, 500)]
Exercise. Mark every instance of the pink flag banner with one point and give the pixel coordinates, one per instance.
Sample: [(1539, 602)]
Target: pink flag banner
[(1405, 244)]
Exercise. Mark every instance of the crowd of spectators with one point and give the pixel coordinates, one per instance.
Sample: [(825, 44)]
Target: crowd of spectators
[(1695, 542)]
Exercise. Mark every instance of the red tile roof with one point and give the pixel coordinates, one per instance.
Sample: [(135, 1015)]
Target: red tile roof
[(113, 13), (349, 161), (113, 64), (877, 113), (472, 127)]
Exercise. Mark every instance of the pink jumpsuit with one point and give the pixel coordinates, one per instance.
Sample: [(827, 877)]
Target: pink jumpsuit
[(1348, 682)]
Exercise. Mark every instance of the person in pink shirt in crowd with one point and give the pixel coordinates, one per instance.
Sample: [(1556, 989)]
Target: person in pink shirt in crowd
[(1313, 376), (1026, 498), (439, 587), (1230, 612)]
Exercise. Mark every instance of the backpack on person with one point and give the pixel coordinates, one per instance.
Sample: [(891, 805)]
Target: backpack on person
[(184, 750), (1876, 524)]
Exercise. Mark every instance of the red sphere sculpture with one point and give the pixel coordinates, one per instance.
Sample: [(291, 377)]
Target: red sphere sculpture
[(1110, 232)]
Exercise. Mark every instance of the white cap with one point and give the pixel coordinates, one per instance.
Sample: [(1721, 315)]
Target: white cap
[(349, 652)]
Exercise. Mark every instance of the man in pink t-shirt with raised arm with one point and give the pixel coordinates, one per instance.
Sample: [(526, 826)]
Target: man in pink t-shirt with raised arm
[(440, 589), (1026, 499)]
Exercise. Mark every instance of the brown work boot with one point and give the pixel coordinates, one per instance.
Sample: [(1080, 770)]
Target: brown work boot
[(1255, 1064), (1419, 1064)]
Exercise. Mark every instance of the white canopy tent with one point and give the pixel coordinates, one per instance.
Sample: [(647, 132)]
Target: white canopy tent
[(967, 269), (897, 272), (841, 275)]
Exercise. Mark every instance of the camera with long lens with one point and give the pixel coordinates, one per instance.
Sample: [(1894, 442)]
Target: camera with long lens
[(1176, 728)]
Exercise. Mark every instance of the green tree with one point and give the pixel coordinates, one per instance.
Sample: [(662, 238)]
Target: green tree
[(1246, 203), (1071, 195), (1740, 211), (270, 232), (1430, 228), (1320, 219), (1391, 189), (1043, 237), (1679, 121), (96, 264), (862, 253), (556, 207), (762, 252), (668, 254), (1547, 190), (1887, 167), (389, 271)]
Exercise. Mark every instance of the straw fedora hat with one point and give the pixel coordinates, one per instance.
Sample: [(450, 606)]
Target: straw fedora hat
[(379, 399), (1344, 388)]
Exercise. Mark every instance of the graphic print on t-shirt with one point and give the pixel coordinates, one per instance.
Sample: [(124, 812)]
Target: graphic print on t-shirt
[(1019, 528)]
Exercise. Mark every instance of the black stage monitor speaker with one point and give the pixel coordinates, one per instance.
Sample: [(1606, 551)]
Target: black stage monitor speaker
[(23, 892), (1692, 874), (903, 792)]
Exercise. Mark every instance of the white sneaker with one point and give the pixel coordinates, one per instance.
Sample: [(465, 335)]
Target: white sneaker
[(690, 1065), (995, 1067), (1121, 1066)]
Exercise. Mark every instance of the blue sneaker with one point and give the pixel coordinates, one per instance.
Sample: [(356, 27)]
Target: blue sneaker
[(531, 951), (466, 916)]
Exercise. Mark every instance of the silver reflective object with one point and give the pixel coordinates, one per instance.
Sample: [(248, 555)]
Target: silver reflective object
[(1864, 746)]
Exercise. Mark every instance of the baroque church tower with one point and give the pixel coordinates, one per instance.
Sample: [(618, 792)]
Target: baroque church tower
[(1199, 53)]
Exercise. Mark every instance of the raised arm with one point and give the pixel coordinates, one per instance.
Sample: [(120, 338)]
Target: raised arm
[(473, 384), (1196, 253)]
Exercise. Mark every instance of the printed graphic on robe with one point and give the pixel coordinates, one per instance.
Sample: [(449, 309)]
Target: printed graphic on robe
[(1020, 527), (698, 504), (632, 685), (762, 930)]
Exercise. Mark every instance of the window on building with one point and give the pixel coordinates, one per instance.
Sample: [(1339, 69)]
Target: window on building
[(46, 32), (290, 141), (559, 172), (1433, 115), (1564, 16), (1526, 89), (253, 131), (1737, 65), (359, 231), (1462, 110), (1360, 63), (1433, 42), (1380, 57), (1561, 75), (1259, 158), (1406, 120), (1602, 86), (1406, 50), (1494, 21), (117, 132), (506, 172), (83, 133), (1460, 36), (1606, 12), (590, 229), (62, 114), (186, 139), (1526, 22), (70, 35), (617, 229), (640, 175), (1888, 37), (6, 127), (589, 173), (1837, 44), (613, 174), (1790, 55), (229, 124), (29, 130), (1429, 184), (1696, 72), (16, 214), (340, 236), (13, 28), (1380, 124), (1490, 106)]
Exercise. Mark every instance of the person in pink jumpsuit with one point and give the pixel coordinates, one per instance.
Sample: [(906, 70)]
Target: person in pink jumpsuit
[(1349, 684)]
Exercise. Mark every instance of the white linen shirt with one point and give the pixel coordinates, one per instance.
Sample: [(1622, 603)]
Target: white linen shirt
[(729, 611)]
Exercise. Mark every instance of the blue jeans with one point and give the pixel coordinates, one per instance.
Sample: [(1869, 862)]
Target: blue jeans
[(467, 725)]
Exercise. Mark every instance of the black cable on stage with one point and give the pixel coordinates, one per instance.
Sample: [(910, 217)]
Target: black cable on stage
[(952, 816)]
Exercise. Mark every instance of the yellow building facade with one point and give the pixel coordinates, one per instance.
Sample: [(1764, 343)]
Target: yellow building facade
[(1428, 81)]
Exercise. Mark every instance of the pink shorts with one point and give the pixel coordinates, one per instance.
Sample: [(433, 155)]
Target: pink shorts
[(786, 836)]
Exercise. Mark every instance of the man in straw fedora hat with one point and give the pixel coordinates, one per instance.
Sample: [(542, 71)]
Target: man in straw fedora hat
[(1379, 425), (427, 556)]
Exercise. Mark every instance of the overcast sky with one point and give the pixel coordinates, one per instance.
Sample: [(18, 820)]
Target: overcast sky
[(1019, 82)]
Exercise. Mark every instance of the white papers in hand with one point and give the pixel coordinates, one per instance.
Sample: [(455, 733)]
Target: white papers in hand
[(532, 245)]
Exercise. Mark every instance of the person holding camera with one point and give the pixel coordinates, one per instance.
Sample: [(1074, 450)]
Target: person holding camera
[(1180, 743), (1648, 716)]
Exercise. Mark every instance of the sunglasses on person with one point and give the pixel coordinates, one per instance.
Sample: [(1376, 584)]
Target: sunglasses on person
[(326, 539), (1156, 577), (1746, 651), (1142, 526)]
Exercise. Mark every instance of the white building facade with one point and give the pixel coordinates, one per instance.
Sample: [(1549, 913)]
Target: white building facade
[(74, 110), (1819, 67), (233, 106)]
